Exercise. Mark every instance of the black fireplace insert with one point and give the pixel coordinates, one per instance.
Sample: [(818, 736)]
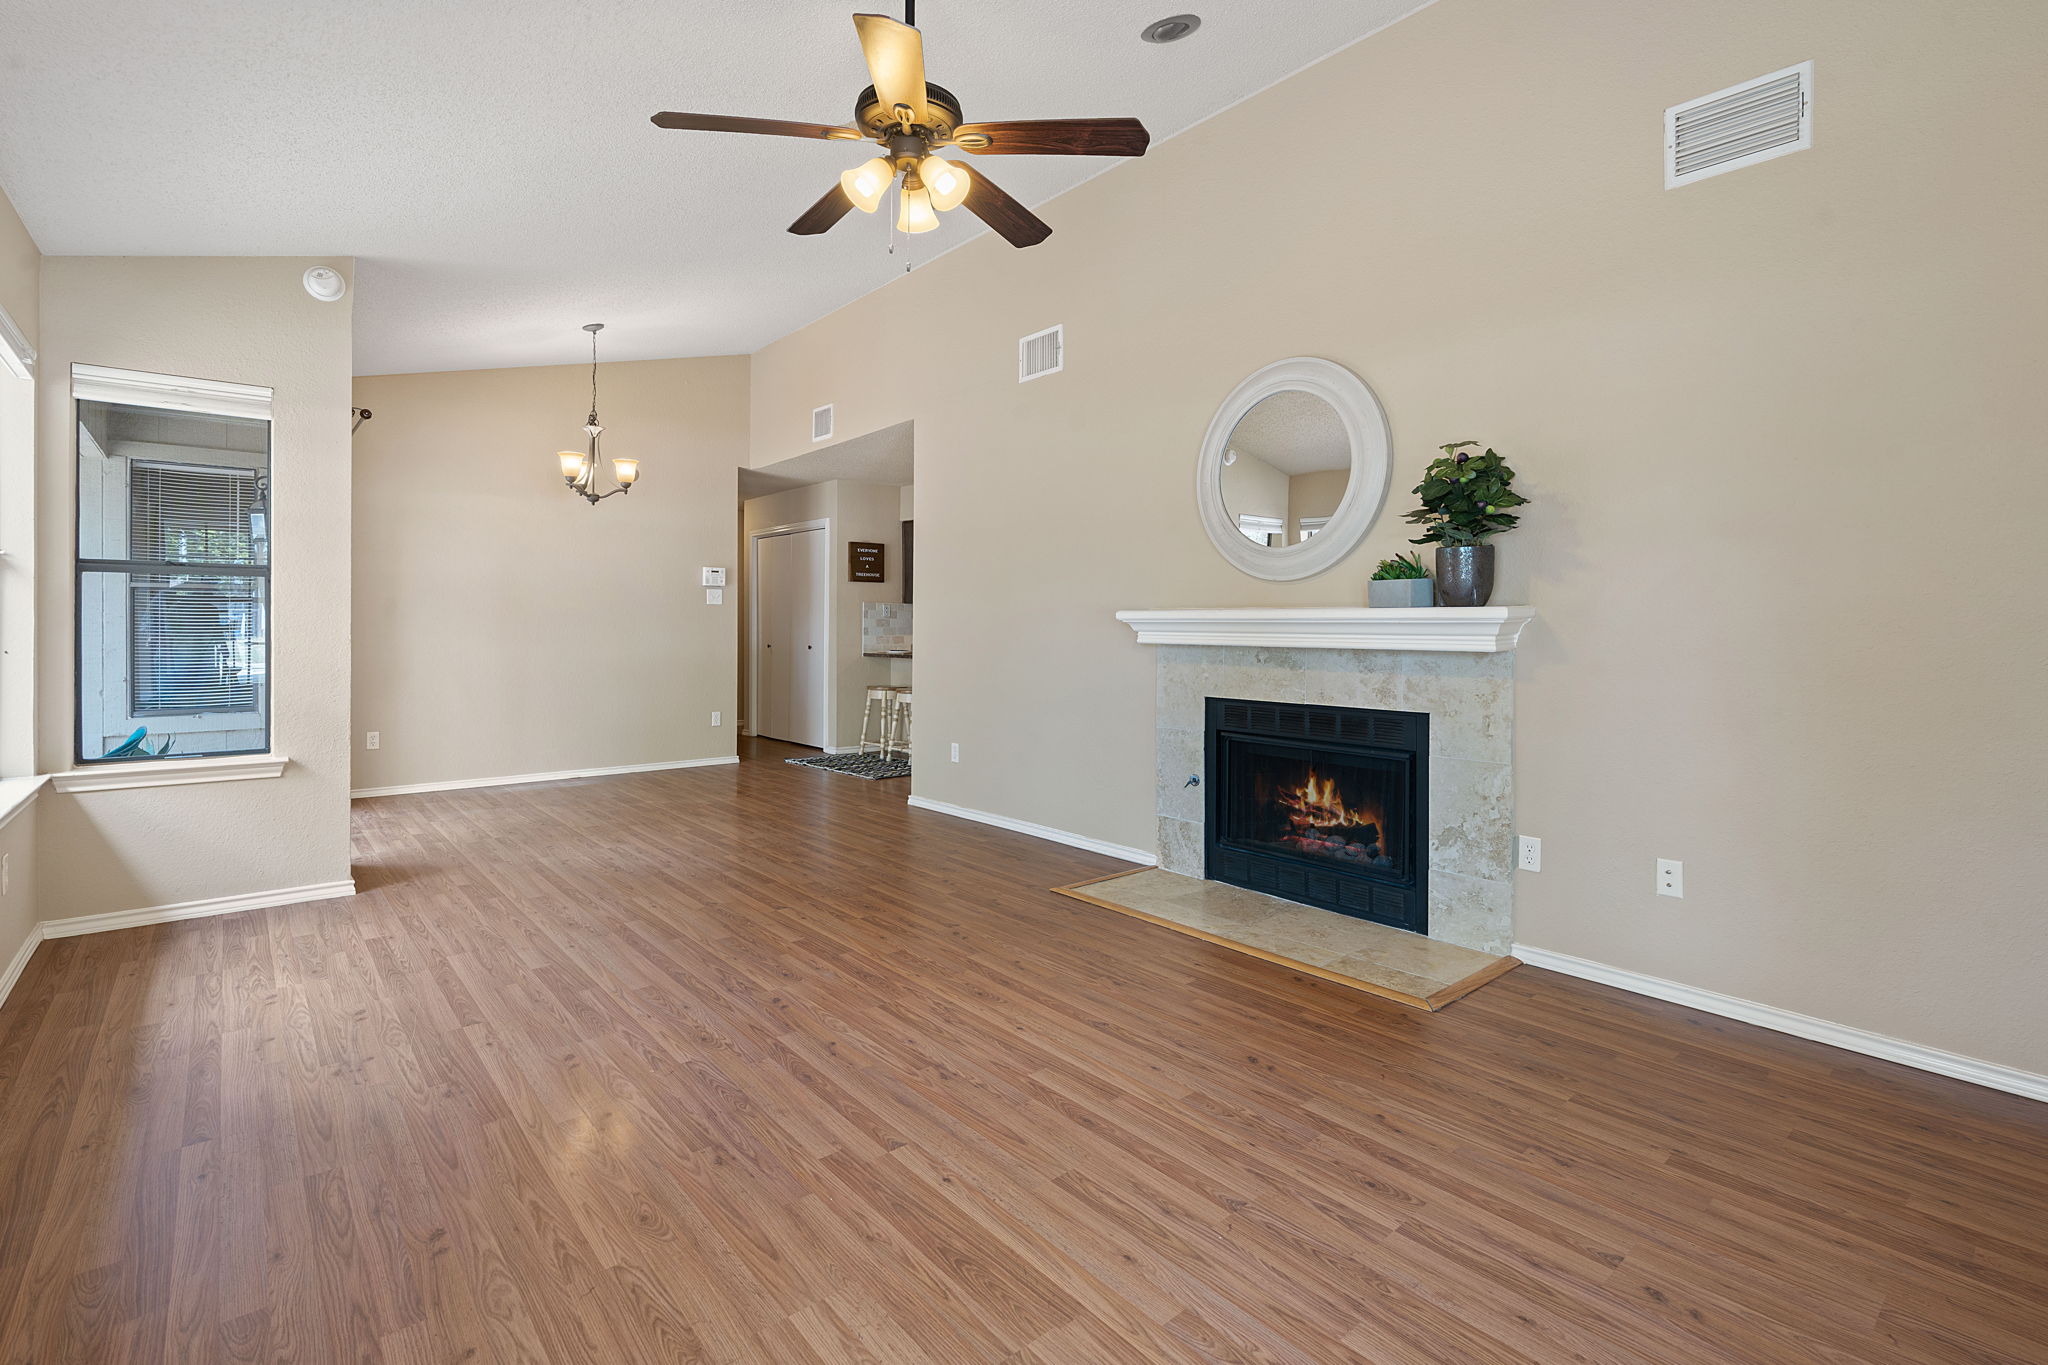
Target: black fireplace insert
[(1321, 804)]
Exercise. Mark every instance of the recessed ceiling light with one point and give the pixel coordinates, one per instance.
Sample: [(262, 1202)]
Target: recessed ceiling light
[(1173, 29)]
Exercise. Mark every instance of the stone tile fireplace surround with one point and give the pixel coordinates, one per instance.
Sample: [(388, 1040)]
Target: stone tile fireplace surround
[(1455, 664)]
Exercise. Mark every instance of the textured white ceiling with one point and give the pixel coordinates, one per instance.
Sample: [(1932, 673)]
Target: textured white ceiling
[(492, 167), (1295, 432)]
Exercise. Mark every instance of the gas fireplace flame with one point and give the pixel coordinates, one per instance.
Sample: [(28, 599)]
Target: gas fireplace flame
[(1317, 804)]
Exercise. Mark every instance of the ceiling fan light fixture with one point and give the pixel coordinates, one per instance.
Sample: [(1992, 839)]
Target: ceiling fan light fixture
[(946, 183), (917, 214), (866, 183)]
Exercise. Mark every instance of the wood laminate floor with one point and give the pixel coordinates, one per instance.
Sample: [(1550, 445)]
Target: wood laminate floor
[(754, 1064)]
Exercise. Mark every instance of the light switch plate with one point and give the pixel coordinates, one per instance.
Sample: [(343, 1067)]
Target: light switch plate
[(1670, 878), (714, 578), (714, 597)]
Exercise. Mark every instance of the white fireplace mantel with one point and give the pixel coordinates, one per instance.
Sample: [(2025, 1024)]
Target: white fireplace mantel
[(1456, 630)]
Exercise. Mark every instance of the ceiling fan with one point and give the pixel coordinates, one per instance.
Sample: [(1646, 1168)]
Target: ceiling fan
[(910, 119)]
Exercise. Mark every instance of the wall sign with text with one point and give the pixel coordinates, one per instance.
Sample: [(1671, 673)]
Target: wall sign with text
[(864, 561)]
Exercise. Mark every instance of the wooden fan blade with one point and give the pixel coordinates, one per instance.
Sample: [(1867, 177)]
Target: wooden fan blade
[(1018, 225), (771, 127), (823, 215), (1055, 137), (895, 54)]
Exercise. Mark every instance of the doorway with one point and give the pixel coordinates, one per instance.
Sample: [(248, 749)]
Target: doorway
[(790, 573)]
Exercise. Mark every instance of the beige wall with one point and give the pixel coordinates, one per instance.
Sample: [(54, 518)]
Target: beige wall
[(1772, 424), (20, 266), (504, 626), (247, 321), (20, 269), (20, 906), (1314, 495)]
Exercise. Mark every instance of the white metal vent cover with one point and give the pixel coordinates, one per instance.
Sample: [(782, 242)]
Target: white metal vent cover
[(821, 423), (1740, 126), (1041, 354)]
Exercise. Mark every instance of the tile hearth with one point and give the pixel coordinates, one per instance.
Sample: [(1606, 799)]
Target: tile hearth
[(1422, 972)]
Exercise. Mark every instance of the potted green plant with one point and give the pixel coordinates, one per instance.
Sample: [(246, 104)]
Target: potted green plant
[(1465, 500), (1401, 582)]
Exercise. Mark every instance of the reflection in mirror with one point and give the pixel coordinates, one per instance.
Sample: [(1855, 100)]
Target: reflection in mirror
[(1285, 469)]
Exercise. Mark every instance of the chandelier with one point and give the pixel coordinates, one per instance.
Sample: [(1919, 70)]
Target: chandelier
[(579, 468)]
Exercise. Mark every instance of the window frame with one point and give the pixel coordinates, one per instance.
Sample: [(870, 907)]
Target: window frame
[(176, 394)]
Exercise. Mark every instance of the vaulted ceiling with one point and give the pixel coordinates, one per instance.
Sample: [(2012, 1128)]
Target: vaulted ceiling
[(492, 168)]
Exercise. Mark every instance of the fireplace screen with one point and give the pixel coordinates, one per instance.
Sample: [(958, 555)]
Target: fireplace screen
[(1321, 804), (1351, 809)]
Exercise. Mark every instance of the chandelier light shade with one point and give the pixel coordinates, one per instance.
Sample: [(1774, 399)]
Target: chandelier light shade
[(580, 468)]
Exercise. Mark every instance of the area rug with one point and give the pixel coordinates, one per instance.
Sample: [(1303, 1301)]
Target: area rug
[(870, 767), (1424, 973)]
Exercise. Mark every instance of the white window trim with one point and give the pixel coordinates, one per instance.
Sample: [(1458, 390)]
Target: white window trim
[(17, 357), (17, 794), (215, 397), (170, 772)]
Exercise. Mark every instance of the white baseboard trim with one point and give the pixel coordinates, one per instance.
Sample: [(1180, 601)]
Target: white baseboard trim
[(161, 914), (19, 964), (1977, 1072), (520, 779), (218, 905), (1058, 836)]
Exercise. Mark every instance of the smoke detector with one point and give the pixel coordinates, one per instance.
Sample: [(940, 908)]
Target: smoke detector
[(325, 283)]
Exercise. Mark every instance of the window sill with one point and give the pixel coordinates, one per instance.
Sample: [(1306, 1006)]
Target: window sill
[(16, 795), (170, 772)]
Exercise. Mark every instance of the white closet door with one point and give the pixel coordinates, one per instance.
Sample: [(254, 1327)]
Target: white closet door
[(807, 589), (791, 587), (771, 592)]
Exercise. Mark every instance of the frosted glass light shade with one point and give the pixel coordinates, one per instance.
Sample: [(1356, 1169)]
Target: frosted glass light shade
[(916, 214), (572, 463), (866, 183), (627, 472), (946, 183)]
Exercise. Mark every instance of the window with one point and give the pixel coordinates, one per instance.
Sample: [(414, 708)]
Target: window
[(173, 567)]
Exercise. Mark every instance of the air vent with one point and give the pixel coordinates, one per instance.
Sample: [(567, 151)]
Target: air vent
[(1040, 354), (821, 423), (1740, 126)]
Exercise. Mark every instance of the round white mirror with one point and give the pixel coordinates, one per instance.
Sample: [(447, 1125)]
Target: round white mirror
[(1294, 469)]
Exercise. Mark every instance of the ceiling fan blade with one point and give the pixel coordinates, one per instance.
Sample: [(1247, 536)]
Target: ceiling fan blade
[(895, 54), (772, 127), (1018, 225), (823, 215), (1055, 137)]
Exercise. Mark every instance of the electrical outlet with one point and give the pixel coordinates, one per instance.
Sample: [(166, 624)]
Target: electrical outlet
[(718, 717), (1529, 853), (956, 753), (1670, 878), (373, 740)]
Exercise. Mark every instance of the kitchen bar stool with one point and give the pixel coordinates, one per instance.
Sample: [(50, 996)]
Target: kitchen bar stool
[(896, 734), (885, 697)]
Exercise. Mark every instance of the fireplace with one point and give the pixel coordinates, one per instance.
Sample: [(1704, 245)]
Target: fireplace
[(1321, 804)]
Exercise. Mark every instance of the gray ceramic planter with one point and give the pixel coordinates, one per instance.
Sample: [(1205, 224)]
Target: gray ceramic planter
[(1464, 575), (1400, 592)]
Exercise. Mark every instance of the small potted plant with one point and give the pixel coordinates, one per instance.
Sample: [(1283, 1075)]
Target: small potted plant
[(1465, 500), (1400, 582)]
